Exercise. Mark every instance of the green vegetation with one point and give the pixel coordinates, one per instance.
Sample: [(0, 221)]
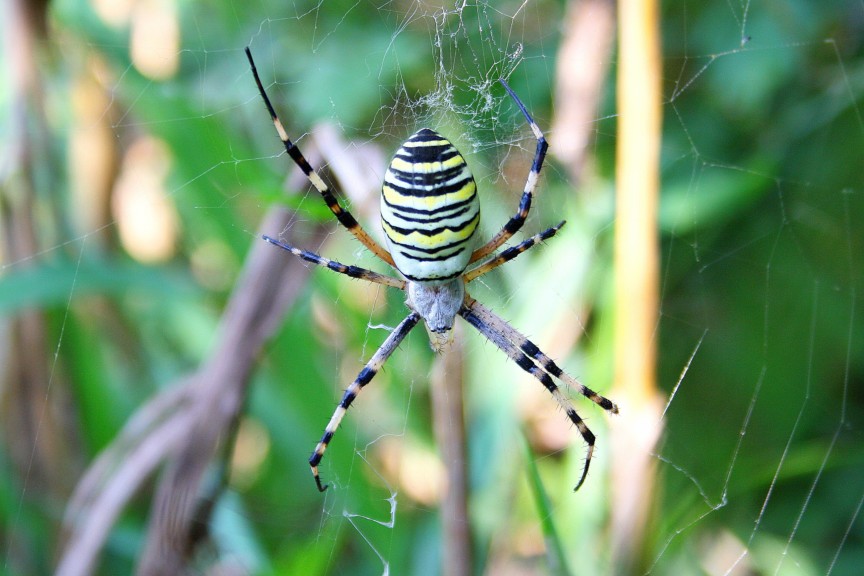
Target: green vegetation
[(760, 333)]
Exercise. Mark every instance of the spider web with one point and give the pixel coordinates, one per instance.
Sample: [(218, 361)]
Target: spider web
[(759, 330)]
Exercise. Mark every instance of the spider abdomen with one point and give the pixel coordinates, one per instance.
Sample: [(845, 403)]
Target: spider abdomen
[(429, 209)]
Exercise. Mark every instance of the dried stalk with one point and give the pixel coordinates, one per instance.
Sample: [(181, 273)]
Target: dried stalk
[(636, 277), (449, 424)]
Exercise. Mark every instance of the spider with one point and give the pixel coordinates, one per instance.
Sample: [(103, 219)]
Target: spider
[(429, 213)]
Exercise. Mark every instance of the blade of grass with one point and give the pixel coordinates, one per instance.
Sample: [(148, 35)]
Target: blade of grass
[(554, 551)]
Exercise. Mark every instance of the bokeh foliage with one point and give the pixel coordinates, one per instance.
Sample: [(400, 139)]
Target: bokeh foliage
[(762, 266)]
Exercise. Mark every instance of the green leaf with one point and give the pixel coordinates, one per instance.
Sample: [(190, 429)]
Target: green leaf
[(554, 551)]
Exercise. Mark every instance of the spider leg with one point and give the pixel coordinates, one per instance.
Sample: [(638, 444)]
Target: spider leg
[(366, 374), (489, 325), (352, 271), (343, 215), (517, 220), (511, 253), (530, 349)]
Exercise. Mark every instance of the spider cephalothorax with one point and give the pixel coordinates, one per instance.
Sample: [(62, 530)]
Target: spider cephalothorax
[(429, 213)]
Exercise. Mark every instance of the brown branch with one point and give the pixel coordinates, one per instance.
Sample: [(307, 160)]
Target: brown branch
[(187, 425), (184, 425), (269, 283), (449, 424)]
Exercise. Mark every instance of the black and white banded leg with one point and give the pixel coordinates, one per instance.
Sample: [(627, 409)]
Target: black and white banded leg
[(366, 374), (517, 220), (342, 214), (515, 346), (511, 253), (532, 351), (348, 270)]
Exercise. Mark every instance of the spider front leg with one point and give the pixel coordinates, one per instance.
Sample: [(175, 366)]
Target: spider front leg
[(517, 348), (366, 374), (511, 253), (517, 220), (344, 216)]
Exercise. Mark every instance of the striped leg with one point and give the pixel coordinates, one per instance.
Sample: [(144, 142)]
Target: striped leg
[(366, 374), (515, 223), (531, 349), (352, 271), (344, 216), (511, 253), (488, 325)]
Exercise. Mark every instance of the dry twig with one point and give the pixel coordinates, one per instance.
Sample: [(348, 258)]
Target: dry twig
[(189, 425)]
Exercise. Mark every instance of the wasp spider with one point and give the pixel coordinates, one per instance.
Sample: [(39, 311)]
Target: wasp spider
[(430, 212)]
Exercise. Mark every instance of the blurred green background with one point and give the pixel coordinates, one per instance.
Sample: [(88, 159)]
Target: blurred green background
[(138, 162)]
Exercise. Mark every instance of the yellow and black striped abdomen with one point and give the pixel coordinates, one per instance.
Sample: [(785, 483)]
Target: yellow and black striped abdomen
[(429, 209)]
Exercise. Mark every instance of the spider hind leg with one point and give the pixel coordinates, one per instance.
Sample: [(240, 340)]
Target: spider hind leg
[(517, 348)]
